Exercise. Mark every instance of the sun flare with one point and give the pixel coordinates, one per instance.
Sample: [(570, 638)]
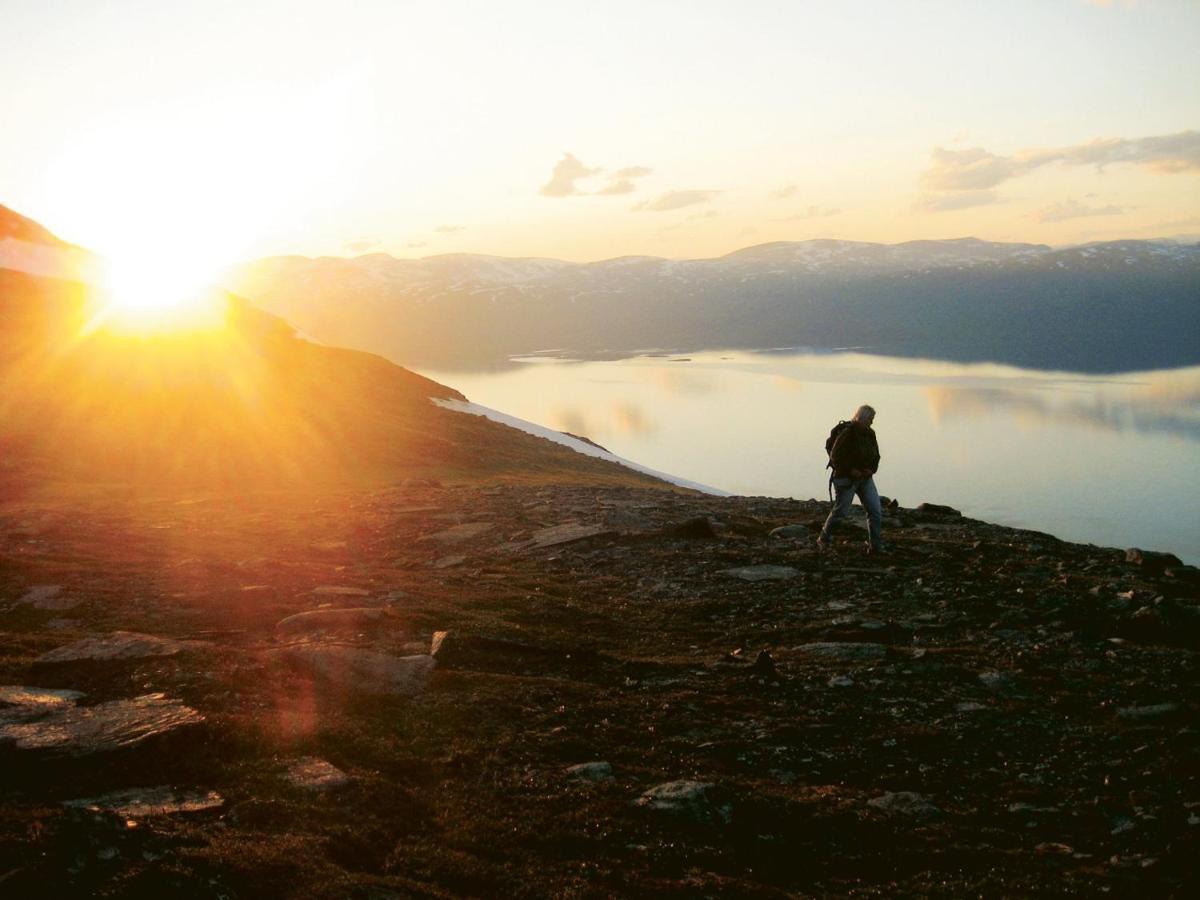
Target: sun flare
[(150, 296)]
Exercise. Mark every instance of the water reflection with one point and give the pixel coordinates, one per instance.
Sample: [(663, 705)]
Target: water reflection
[(1083, 457), (1152, 403)]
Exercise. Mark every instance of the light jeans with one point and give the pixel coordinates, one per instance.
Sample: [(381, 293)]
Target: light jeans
[(844, 490)]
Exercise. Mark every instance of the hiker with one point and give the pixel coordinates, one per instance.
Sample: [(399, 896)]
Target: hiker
[(854, 458)]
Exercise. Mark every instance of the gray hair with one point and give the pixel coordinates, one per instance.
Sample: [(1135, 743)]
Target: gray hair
[(864, 414)]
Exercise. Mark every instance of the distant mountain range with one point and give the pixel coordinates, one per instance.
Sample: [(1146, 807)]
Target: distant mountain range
[(1104, 307), (246, 406)]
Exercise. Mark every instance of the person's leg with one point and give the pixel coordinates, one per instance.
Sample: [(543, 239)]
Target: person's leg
[(868, 495), (843, 497)]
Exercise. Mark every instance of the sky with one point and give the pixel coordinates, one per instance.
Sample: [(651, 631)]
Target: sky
[(208, 132)]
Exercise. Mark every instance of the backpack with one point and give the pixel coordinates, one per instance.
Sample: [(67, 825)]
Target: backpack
[(832, 439), (829, 442)]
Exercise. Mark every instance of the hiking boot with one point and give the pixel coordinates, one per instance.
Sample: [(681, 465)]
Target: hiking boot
[(881, 550), (823, 545)]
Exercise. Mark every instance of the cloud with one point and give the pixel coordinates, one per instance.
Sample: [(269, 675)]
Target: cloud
[(412, 245), (948, 202), (676, 200), (694, 217), (1073, 209), (566, 172), (360, 245), (812, 212), (623, 179), (977, 169), (785, 192), (621, 186), (449, 229)]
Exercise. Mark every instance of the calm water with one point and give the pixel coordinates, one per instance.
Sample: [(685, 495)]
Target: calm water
[(1108, 460)]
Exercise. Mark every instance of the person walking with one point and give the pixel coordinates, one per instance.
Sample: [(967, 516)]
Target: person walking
[(854, 458)]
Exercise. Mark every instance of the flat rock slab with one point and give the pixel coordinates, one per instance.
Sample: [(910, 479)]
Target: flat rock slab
[(904, 803), (364, 671), (118, 645), (458, 534), (845, 650), (557, 535), (591, 771), (762, 573), (693, 800), (70, 730), (338, 590), (20, 704), (143, 803), (1148, 713), (311, 773), (48, 596), (790, 531), (318, 620)]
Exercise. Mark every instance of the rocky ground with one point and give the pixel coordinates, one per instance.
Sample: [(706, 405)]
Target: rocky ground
[(539, 690)]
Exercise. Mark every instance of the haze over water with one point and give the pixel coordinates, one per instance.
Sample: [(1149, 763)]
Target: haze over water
[(1110, 460)]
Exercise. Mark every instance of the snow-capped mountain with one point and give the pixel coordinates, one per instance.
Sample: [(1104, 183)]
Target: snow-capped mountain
[(1110, 306)]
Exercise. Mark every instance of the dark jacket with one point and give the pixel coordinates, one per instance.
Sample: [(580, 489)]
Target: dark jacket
[(855, 448)]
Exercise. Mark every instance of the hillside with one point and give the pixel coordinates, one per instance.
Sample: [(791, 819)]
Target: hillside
[(244, 404), (1108, 307), (235, 696)]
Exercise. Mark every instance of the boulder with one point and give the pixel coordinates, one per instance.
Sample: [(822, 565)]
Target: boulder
[(691, 800), (362, 671), (1152, 561), (937, 509), (762, 573), (116, 646), (65, 729), (20, 704), (692, 529), (325, 620)]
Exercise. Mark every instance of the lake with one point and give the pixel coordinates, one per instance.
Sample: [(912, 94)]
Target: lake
[(1110, 460)]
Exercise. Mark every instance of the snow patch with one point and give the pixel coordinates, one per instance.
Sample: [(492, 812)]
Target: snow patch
[(474, 409)]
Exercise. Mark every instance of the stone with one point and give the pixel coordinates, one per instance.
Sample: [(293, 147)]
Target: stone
[(48, 596), (568, 533), (762, 573), (364, 671), (692, 800), (19, 704), (938, 509), (591, 771), (116, 646), (904, 803), (448, 562), (697, 528), (1152, 561), (311, 773), (70, 730), (325, 620), (996, 681), (841, 681), (1148, 713), (144, 803), (790, 531), (338, 590), (845, 650), (458, 534)]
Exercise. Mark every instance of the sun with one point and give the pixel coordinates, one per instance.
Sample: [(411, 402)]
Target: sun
[(145, 293)]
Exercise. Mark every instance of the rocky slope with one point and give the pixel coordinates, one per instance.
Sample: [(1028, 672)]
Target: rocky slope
[(476, 688)]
